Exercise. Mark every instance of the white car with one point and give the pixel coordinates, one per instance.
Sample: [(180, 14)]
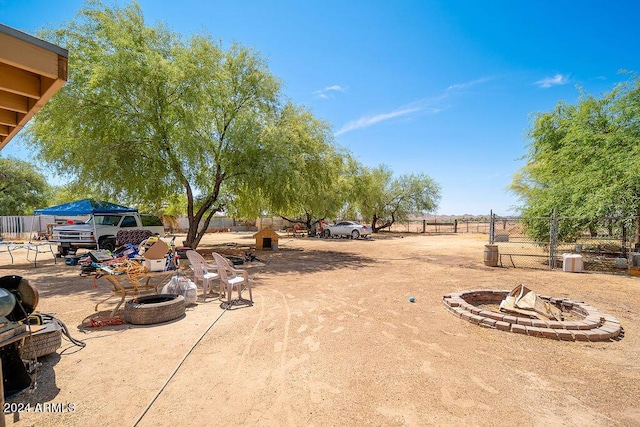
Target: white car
[(347, 228)]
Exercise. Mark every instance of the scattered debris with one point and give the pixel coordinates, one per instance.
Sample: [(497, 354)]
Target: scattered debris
[(524, 302)]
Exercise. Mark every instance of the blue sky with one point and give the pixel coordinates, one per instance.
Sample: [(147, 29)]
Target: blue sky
[(446, 88)]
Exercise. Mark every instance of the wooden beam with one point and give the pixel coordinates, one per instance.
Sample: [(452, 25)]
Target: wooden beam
[(18, 81), (30, 57), (31, 72), (32, 108), (13, 102), (8, 118)]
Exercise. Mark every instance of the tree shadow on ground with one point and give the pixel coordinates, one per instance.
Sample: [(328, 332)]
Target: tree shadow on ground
[(312, 261)]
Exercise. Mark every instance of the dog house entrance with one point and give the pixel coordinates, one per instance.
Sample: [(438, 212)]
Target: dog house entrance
[(266, 242)]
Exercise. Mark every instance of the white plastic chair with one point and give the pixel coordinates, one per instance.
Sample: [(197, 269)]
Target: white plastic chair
[(230, 278), (203, 272)]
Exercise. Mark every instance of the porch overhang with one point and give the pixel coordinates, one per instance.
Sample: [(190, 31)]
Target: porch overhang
[(31, 72)]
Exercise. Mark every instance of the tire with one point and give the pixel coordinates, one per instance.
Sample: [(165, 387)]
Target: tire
[(108, 243), (355, 234), (326, 234), (41, 344), (151, 309)]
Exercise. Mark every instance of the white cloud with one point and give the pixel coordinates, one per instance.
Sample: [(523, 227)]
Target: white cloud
[(335, 87), (556, 80), (326, 92), (466, 85), (431, 105), (367, 121)]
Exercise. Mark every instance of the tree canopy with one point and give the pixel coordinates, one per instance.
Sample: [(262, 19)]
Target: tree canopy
[(146, 116), (22, 187), (383, 199), (583, 159)]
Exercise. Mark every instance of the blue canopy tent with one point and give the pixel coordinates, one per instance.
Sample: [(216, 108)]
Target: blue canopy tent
[(84, 207)]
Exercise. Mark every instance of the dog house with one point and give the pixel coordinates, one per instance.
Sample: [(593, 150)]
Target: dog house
[(266, 239)]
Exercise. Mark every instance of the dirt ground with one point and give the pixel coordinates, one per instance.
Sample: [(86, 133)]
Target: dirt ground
[(333, 340)]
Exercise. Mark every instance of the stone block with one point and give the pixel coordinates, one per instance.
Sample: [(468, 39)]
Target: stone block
[(503, 326), (490, 323), (495, 316), (534, 332), (539, 323), (571, 325), (549, 333), (476, 310), (594, 335), (580, 336), (554, 324), (519, 329), (564, 335), (466, 315), (476, 319), (524, 321), (510, 319)]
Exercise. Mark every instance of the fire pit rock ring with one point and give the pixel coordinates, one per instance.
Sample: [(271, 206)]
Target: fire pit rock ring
[(590, 324), (151, 309)]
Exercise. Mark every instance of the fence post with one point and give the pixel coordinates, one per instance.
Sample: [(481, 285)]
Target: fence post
[(624, 240), (553, 239), (492, 221), (424, 225)]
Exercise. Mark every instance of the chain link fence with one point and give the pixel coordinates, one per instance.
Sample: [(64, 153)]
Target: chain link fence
[(604, 245)]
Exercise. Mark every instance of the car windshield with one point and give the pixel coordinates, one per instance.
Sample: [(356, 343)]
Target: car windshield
[(104, 220)]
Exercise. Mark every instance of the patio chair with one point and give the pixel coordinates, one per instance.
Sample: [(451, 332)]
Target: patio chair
[(230, 278), (203, 272)]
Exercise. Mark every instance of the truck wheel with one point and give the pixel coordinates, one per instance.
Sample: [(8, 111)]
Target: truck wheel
[(326, 234), (63, 251), (108, 244)]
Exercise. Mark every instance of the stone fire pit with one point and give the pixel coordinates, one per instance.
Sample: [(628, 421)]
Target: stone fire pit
[(583, 322)]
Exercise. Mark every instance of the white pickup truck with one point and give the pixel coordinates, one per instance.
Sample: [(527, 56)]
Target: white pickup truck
[(100, 230)]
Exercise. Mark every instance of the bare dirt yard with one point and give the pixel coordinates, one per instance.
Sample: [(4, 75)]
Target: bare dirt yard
[(333, 340)]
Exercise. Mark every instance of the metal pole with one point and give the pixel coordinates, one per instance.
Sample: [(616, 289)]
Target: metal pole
[(95, 232), (553, 239), (491, 227)]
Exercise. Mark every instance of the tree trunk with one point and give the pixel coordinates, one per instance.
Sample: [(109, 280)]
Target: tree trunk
[(375, 219), (637, 239)]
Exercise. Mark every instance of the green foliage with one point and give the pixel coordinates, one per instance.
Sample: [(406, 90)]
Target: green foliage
[(22, 187), (583, 160), (150, 119), (300, 178), (384, 200)]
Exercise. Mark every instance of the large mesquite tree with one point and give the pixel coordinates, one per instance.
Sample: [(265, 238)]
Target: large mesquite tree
[(584, 159), (146, 116), (383, 199)]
